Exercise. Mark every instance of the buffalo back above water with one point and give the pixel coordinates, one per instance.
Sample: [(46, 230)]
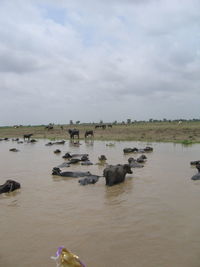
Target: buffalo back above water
[(9, 186)]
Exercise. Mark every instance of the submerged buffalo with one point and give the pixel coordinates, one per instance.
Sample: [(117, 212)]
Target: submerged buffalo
[(69, 156), (92, 179), (102, 158), (57, 151), (195, 162), (197, 176), (116, 174), (133, 163), (137, 150), (9, 186), (14, 150), (57, 171)]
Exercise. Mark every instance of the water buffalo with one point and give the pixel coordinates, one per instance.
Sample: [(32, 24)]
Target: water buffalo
[(56, 143), (27, 136), (89, 133), (57, 171), (86, 163), (63, 165), (15, 139), (32, 141), (134, 164), (49, 144), (148, 149), (195, 162), (130, 150), (103, 126), (49, 127), (74, 161), (197, 176), (57, 151), (69, 156), (141, 159), (92, 179), (73, 133), (116, 174), (102, 157), (9, 186), (14, 150)]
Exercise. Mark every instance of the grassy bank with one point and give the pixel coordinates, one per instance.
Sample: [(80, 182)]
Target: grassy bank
[(186, 132)]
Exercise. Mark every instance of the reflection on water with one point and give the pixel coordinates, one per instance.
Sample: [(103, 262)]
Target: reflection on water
[(152, 219)]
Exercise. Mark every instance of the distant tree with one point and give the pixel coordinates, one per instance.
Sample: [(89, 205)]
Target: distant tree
[(128, 121), (101, 122), (150, 120), (77, 122), (71, 122), (115, 122)]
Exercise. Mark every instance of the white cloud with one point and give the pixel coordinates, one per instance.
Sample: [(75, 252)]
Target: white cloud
[(104, 60)]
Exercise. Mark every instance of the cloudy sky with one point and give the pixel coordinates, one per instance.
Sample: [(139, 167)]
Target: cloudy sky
[(93, 60)]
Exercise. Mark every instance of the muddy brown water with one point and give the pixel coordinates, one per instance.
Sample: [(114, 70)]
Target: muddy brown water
[(150, 220)]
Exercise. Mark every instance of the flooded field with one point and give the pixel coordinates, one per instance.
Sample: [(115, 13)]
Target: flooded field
[(150, 220)]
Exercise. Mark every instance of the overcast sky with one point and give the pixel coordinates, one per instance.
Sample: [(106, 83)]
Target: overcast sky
[(93, 60)]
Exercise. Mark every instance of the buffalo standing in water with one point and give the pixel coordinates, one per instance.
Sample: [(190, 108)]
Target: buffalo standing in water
[(73, 133), (27, 136), (89, 133), (116, 174)]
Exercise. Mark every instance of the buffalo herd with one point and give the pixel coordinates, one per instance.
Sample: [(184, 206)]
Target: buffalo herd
[(113, 174)]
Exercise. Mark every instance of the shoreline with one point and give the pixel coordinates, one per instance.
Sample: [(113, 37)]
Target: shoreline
[(186, 133)]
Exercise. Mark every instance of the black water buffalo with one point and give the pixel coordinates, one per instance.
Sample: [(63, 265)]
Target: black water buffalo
[(92, 179), (138, 150), (49, 127), (9, 186), (32, 141), (134, 164), (14, 150), (15, 139), (73, 133), (141, 159), (148, 149), (74, 161), (27, 136), (116, 174), (103, 126), (130, 150), (57, 171), (86, 163), (102, 157), (56, 143), (69, 156), (89, 133), (57, 151), (196, 162), (197, 176)]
